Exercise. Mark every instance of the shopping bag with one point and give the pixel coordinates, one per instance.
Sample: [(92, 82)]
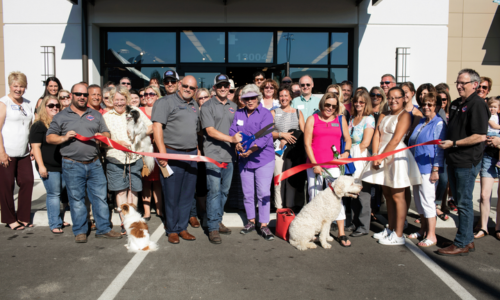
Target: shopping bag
[(284, 216)]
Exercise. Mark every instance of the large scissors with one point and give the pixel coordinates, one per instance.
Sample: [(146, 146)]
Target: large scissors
[(247, 140)]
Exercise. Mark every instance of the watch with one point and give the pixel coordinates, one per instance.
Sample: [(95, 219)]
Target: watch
[(455, 144), (279, 135), (348, 151)]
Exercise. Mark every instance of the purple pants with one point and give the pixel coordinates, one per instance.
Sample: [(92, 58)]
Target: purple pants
[(259, 179)]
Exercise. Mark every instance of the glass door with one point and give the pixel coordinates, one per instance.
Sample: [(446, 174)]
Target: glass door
[(205, 76)]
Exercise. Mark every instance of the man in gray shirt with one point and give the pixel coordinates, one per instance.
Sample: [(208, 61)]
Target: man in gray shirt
[(175, 120), (216, 118), (81, 169)]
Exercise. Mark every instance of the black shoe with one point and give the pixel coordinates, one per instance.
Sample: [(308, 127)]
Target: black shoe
[(350, 228), (357, 233)]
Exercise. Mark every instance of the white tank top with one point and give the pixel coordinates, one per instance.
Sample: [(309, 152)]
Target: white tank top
[(16, 128)]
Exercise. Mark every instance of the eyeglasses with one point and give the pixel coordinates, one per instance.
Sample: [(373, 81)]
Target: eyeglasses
[(203, 98), (64, 97), (484, 87), (286, 81), (386, 82), (150, 94), (81, 94), (428, 105), (260, 79), (125, 83), (360, 102), (328, 105), (458, 83), (222, 85), (231, 91), (250, 98), (269, 88), (193, 88), (375, 95), (305, 84), (52, 105), (394, 98)]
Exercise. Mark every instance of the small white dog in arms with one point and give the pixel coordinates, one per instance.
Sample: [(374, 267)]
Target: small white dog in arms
[(318, 215), (137, 132), (137, 229)]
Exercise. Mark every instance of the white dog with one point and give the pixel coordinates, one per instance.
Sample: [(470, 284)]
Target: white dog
[(137, 229), (141, 142), (317, 216)]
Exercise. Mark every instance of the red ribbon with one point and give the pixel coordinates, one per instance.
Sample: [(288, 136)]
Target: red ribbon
[(343, 161), (167, 156)]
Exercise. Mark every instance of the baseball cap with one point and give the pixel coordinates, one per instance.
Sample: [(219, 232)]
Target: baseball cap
[(220, 78), (170, 74), (231, 82)]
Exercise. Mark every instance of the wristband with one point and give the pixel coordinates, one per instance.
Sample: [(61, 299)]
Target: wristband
[(279, 135)]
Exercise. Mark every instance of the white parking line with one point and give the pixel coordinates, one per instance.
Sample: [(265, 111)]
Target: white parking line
[(115, 287)]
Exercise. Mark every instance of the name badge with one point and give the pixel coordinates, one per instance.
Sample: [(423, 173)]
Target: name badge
[(278, 115), (182, 107), (335, 124), (454, 107), (300, 106), (239, 122), (14, 107)]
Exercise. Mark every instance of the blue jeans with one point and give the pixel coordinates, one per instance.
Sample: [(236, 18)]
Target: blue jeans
[(462, 182), (442, 184), (178, 192), (80, 179), (54, 185), (218, 184)]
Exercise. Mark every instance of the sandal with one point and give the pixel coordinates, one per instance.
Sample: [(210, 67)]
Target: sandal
[(485, 233), (147, 219), (57, 232), (444, 217), (417, 221), (497, 234), (27, 225), (66, 224), (17, 228), (415, 236), (426, 243), (343, 238), (452, 205)]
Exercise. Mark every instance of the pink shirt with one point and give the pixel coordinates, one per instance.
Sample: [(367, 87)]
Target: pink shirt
[(325, 135)]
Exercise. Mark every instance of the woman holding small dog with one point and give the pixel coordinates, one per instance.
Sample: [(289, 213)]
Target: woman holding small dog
[(323, 131), (395, 172), (123, 169)]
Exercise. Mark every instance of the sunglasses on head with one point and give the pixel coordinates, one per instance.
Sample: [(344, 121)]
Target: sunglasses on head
[(385, 82), (52, 105), (64, 97), (250, 98), (375, 95), (223, 85), (328, 105), (335, 93), (149, 94), (193, 88), (125, 83), (305, 84), (81, 94), (286, 81)]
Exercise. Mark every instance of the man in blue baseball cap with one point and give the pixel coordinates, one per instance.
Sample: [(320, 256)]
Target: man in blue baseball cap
[(170, 80)]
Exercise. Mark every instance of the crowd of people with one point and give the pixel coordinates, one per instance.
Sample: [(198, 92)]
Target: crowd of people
[(178, 117)]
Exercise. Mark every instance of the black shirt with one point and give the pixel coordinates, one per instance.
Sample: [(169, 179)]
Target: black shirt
[(466, 119), (51, 155)]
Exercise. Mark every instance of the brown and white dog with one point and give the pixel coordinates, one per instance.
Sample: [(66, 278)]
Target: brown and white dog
[(137, 229)]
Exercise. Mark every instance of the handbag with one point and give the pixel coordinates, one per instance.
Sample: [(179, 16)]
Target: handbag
[(349, 168), (145, 170), (284, 216)]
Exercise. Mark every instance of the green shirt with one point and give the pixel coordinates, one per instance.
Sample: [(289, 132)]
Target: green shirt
[(308, 108)]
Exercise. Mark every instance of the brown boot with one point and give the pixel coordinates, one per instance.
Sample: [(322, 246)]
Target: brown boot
[(453, 250), (173, 238), (214, 237), (186, 236), (193, 221), (81, 238), (471, 247), (110, 235), (223, 229)]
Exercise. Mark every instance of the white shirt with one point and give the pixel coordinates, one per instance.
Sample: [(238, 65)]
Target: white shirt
[(16, 128), (494, 118)]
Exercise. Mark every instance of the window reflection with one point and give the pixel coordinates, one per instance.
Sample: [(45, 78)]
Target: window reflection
[(303, 47), (251, 47), (338, 75), (339, 48), (141, 47), (140, 77), (319, 75), (204, 79), (202, 46)]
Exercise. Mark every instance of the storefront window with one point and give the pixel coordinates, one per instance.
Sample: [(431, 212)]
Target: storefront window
[(339, 48), (141, 48), (251, 47), (338, 75), (303, 47), (139, 77), (319, 75), (202, 47)]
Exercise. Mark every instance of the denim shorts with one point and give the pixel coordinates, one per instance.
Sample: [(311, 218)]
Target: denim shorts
[(488, 168), (118, 180)]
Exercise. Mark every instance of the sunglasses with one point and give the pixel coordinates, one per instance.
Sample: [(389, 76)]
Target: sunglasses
[(81, 94), (385, 82), (193, 88), (375, 95), (346, 82), (484, 87), (305, 84), (52, 105), (335, 93), (395, 98), (125, 83), (64, 97), (248, 99), (360, 102), (231, 91), (428, 105), (286, 81), (149, 94), (105, 98), (260, 79), (223, 85), (328, 105), (141, 96), (269, 88), (203, 98), (168, 81)]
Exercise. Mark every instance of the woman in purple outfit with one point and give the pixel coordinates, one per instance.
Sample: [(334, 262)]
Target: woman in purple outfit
[(257, 164)]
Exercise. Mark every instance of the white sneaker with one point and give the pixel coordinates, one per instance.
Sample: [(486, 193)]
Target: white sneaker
[(392, 240), (383, 234)]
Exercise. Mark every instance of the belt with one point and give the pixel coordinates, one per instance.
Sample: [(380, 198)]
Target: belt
[(82, 162), (181, 150)]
